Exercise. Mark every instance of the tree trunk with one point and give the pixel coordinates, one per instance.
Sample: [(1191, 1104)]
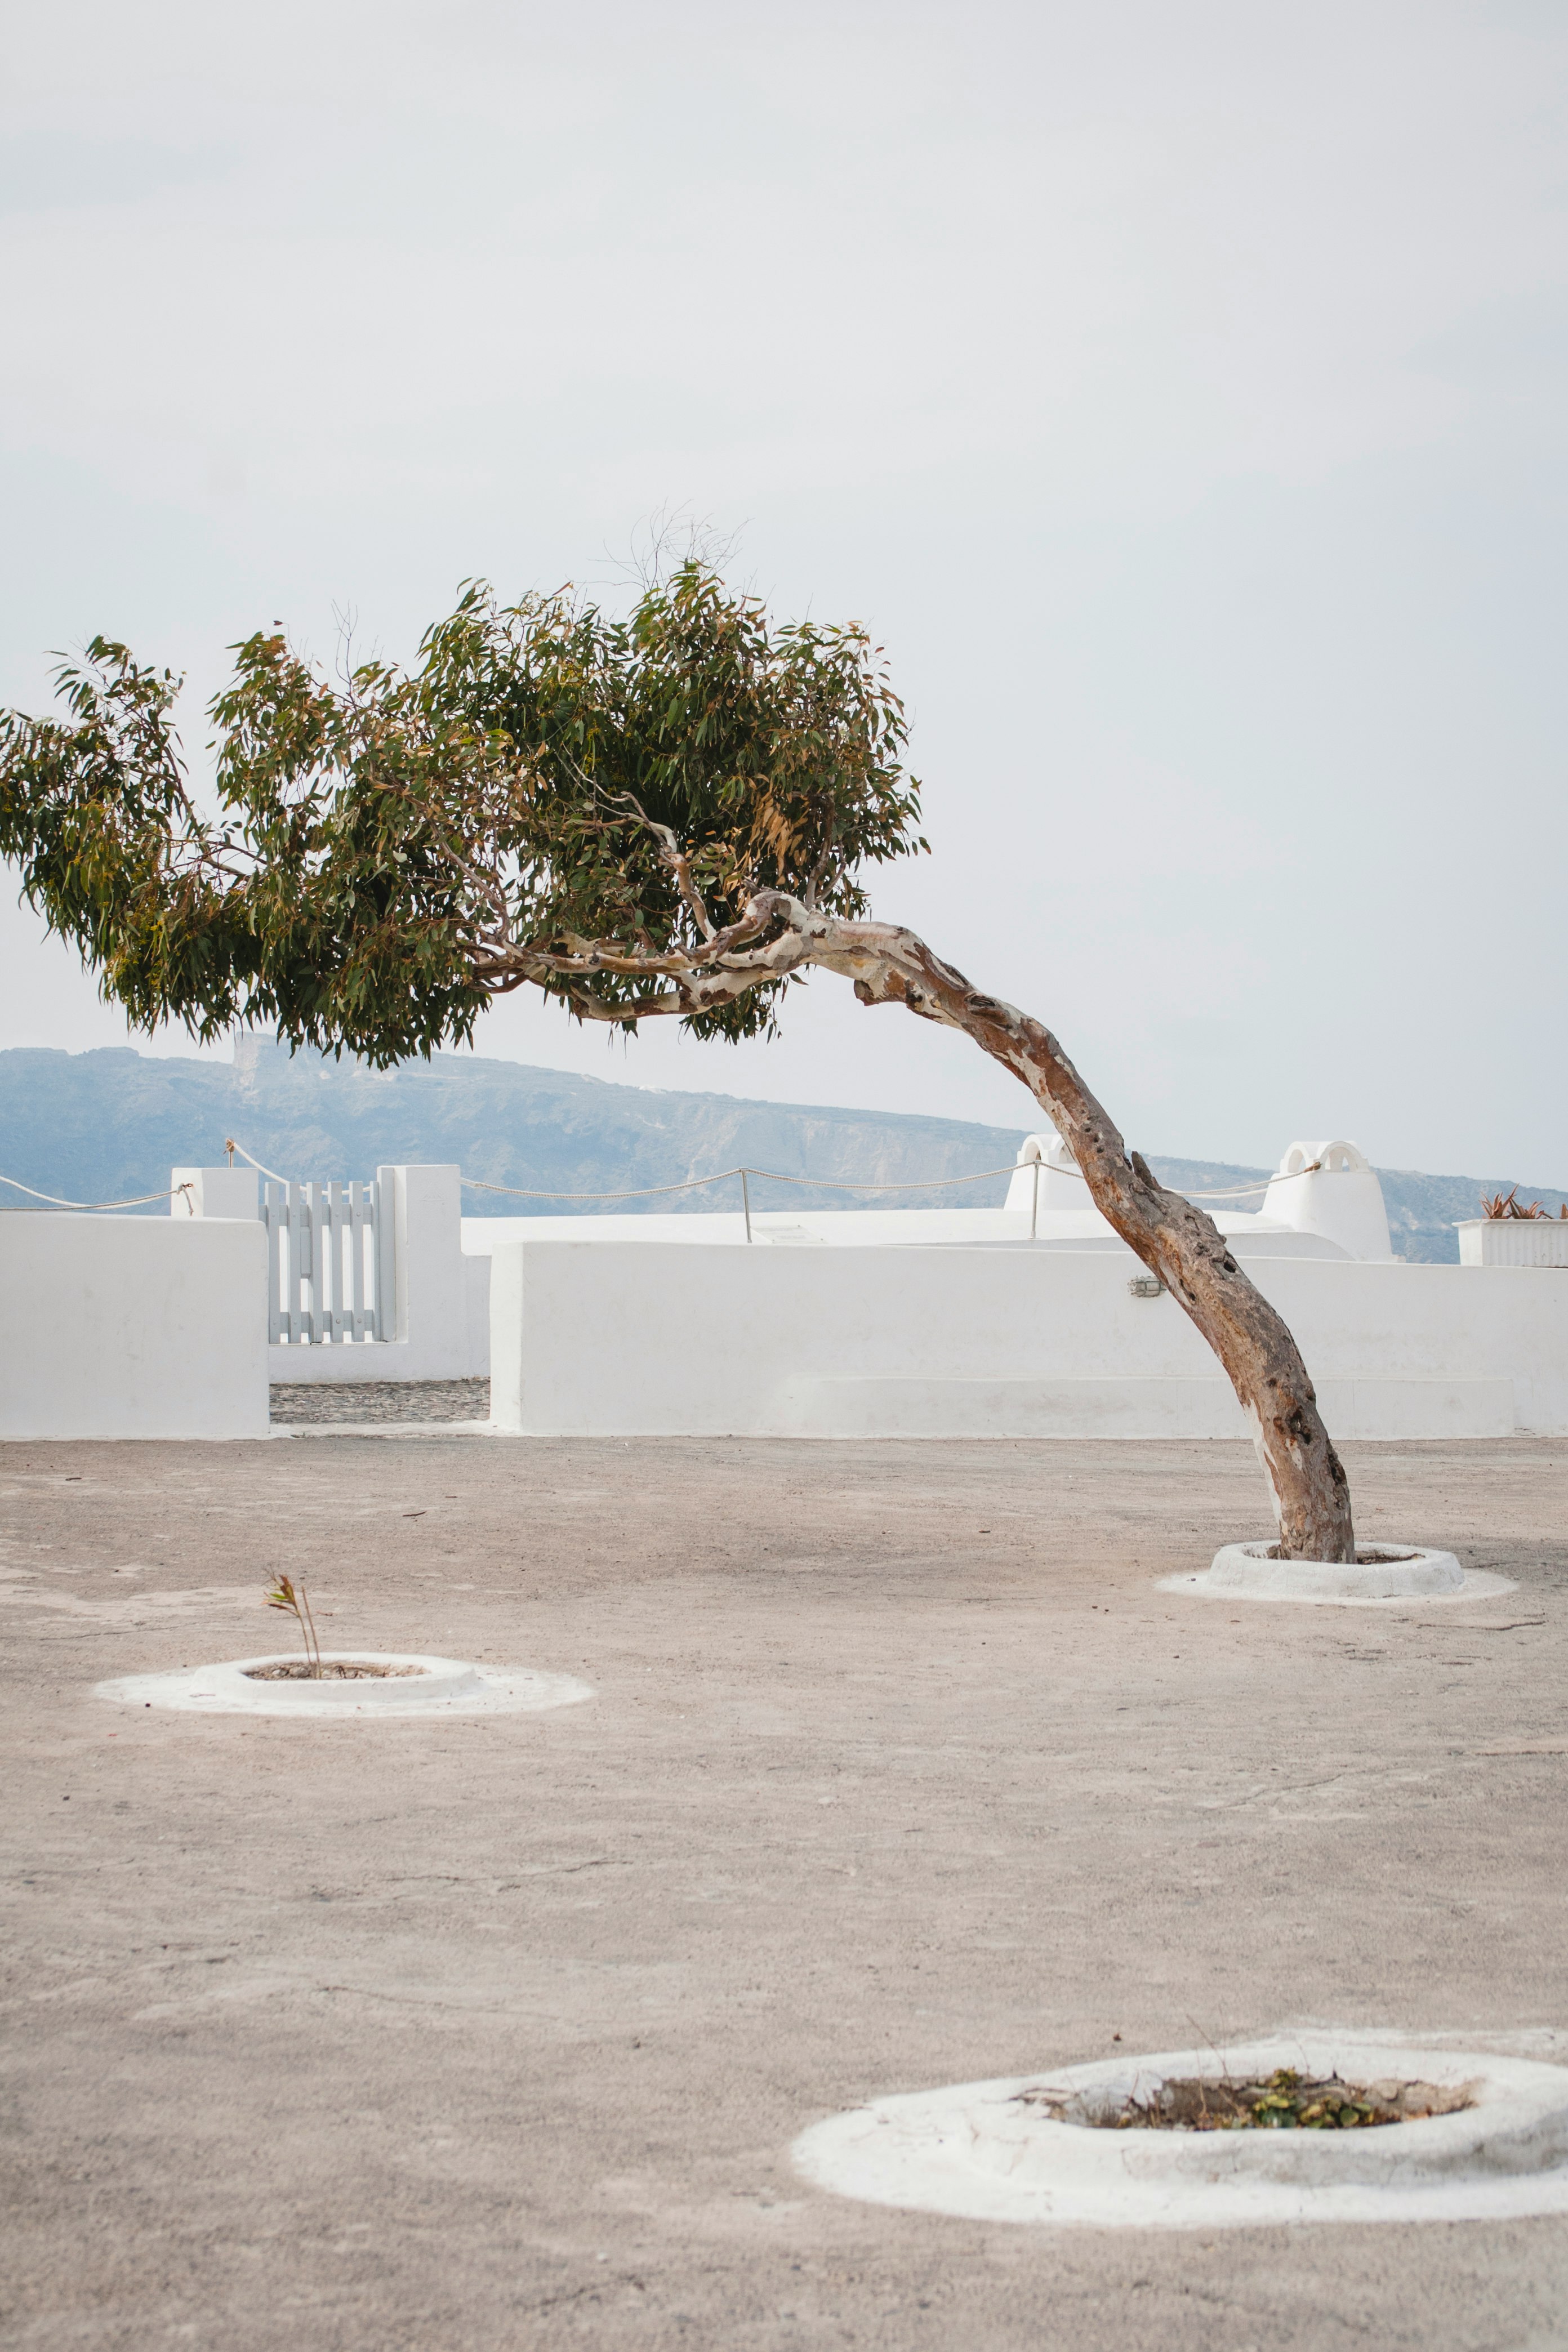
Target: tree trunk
[(1174, 1239)]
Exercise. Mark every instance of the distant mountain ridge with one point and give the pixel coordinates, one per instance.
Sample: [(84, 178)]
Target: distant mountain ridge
[(109, 1125)]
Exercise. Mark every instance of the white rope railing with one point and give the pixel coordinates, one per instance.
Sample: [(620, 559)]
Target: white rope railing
[(641, 1192), (694, 1183), (231, 1146), (687, 1184), (1235, 1191), (775, 1175), (833, 1185), (140, 1201)]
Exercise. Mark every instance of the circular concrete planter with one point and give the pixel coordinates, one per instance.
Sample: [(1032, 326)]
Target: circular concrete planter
[(988, 2151), (416, 1685), (1392, 1572)]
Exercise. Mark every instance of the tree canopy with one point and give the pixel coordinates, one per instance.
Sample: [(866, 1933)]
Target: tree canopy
[(606, 807)]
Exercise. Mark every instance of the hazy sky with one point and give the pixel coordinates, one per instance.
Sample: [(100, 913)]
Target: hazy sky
[(1177, 390)]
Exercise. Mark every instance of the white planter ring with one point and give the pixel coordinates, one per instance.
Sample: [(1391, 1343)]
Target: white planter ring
[(978, 2150), (435, 1687), (1244, 1571)]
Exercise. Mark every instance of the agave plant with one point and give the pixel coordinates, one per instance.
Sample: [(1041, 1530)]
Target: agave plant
[(1508, 1204)]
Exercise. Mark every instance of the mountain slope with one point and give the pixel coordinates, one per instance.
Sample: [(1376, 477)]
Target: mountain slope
[(107, 1125)]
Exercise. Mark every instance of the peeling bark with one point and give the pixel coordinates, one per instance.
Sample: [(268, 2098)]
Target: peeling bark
[(1174, 1238)]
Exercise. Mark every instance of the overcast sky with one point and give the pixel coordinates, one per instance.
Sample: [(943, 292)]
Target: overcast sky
[(1177, 391)]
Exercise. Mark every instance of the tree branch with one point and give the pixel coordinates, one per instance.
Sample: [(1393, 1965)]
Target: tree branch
[(1175, 1239)]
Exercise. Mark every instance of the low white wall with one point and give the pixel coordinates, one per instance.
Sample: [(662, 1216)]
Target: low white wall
[(1065, 1229), (133, 1327), (655, 1338), (1328, 1191), (213, 1192)]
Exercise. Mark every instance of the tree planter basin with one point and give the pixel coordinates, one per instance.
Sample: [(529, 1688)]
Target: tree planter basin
[(410, 1686), (1002, 2151), (1416, 1577), (405, 1678), (1383, 1572)]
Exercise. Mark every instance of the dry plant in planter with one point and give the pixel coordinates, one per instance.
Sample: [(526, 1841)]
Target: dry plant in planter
[(1285, 2100), (1508, 1204), (288, 1596)]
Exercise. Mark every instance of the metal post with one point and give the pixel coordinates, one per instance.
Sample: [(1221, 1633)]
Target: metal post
[(746, 1202), (1035, 1205)]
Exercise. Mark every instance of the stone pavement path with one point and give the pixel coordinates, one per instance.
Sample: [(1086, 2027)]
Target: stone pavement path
[(469, 2036), (304, 1403)]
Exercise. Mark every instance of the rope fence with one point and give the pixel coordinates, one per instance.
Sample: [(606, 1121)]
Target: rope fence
[(771, 1175), (642, 1192), (687, 1184), (774, 1175), (231, 1146), (833, 1185), (141, 1202)]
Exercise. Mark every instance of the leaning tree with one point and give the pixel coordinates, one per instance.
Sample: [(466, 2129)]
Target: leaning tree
[(666, 814)]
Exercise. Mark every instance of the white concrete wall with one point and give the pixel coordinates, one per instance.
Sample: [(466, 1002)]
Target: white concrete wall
[(1328, 1191), (1076, 1229), (1330, 1188), (131, 1327), (1325, 1202), (214, 1193), (476, 1315), (654, 1337), (440, 1312), (441, 1327), (1058, 1184)]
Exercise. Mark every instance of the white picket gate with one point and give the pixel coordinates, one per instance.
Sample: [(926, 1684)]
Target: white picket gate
[(330, 1266)]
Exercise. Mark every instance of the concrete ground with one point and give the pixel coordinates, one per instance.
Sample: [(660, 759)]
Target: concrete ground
[(899, 1772)]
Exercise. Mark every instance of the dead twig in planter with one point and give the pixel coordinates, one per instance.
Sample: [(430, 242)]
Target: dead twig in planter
[(286, 1594)]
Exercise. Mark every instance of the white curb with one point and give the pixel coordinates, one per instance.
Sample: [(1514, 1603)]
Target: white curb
[(1407, 1573), (979, 2152), (438, 1686)]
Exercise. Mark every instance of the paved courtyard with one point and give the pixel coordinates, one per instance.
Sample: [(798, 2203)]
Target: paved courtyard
[(899, 1771)]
